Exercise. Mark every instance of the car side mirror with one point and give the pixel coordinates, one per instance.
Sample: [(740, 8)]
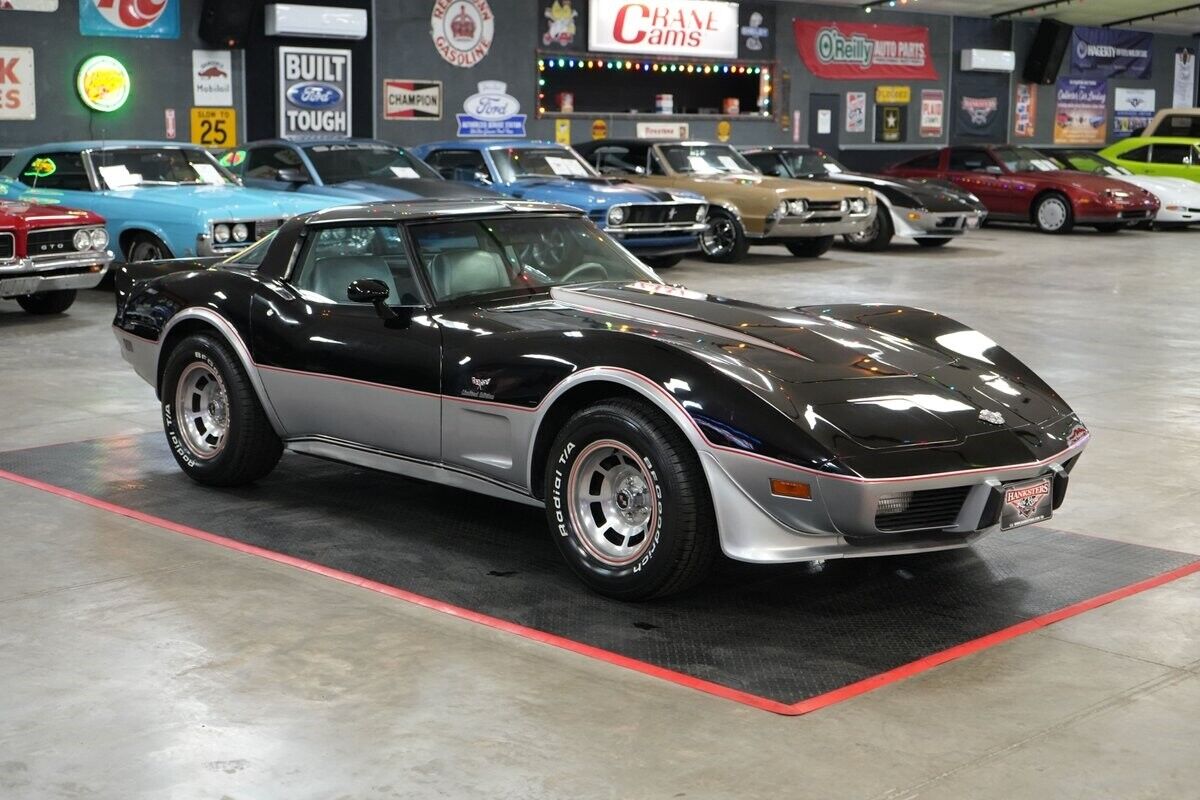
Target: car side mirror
[(375, 292), (992, 169), (289, 175)]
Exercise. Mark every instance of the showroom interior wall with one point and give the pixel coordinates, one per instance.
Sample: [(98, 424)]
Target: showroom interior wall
[(160, 75), (1162, 77)]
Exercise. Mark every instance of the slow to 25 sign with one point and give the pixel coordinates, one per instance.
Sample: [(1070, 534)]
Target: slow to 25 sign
[(214, 127)]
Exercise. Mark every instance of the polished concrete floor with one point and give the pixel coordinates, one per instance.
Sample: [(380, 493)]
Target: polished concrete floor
[(138, 663)]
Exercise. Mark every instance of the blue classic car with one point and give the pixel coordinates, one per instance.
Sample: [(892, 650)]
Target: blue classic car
[(354, 170), (161, 200), (657, 225)]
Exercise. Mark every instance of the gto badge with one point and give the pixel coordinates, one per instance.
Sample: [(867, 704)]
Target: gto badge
[(993, 417)]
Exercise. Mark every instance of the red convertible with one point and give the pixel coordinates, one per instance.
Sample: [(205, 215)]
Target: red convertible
[(49, 252), (1020, 184)]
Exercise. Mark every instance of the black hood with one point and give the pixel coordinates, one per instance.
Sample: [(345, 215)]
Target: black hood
[(912, 193)]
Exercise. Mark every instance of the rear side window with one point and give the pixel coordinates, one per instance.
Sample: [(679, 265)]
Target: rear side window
[(969, 161), (767, 164), (619, 159), (265, 162), (927, 161), (1171, 154), (56, 171), (457, 165), (1136, 154), (1180, 125)]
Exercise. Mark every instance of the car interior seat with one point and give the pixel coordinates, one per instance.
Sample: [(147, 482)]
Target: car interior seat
[(468, 271)]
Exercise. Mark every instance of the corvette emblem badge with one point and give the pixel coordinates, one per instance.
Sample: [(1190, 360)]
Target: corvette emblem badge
[(993, 417)]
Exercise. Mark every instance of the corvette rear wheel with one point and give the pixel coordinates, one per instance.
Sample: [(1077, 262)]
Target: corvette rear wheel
[(724, 240), (55, 302), (1053, 214), (215, 426), (628, 504), (876, 236)]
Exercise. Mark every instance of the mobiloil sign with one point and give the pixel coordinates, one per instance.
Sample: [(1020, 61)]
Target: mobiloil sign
[(314, 92)]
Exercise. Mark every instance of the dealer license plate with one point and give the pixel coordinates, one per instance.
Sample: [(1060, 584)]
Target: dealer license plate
[(14, 287), (1026, 502)]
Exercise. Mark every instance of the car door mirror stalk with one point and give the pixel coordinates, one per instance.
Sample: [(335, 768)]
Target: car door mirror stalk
[(375, 292)]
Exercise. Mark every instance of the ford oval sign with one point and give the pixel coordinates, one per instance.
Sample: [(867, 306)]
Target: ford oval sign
[(314, 95)]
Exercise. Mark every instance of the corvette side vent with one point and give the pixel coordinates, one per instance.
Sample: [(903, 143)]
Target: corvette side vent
[(930, 509)]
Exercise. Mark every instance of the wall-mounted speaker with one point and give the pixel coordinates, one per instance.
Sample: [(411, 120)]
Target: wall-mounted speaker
[(1046, 54), (226, 23)]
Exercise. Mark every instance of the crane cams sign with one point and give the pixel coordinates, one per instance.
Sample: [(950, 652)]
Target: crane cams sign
[(664, 27), (462, 30), (314, 93)]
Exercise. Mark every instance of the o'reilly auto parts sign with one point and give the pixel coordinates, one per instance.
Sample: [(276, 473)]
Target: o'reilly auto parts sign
[(314, 93)]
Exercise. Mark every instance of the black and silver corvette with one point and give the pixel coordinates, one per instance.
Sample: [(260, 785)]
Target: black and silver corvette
[(929, 212), (513, 349)]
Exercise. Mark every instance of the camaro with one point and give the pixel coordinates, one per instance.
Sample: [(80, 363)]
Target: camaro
[(350, 170), (658, 225), (160, 199), (1019, 184), (47, 253), (513, 349), (930, 212), (1179, 198)]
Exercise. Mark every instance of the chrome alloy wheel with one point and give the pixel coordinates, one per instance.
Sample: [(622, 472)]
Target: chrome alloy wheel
[(1052, 214), (202, 410), (719, 238), (613, 505), (867, 234)]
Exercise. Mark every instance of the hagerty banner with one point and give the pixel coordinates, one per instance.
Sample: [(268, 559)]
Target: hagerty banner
[(853, 51), (1110, 53), (1081, 111)]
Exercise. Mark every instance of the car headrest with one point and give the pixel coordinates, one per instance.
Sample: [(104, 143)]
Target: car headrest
[(336, 273), (467, 271)]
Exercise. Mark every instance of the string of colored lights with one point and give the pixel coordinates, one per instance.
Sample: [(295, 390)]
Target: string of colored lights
[(649, 66), (763, 73)]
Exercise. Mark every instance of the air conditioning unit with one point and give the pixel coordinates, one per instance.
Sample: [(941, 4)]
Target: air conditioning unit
[(316, 22), (989, 61)]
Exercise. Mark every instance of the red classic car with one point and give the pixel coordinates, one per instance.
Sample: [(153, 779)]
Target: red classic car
[(47, 253), (1022, 185)]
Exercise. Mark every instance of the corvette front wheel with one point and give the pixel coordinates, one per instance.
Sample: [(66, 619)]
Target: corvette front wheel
[(628, 504), (215, 426)]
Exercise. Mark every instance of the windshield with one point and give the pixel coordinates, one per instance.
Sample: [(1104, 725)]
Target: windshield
[(1084, 161), (706, 159), (338, 163), (811, 162), (520, 256), (159, 166), (538, 162), (1024, 159)]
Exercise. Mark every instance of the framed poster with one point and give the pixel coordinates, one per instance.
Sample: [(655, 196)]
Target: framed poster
[(856, 112), (1080, 111), (314, 93), (933, 111)]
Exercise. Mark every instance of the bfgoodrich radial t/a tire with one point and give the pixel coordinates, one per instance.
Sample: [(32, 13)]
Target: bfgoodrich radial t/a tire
[(628, 504), (215, 426)]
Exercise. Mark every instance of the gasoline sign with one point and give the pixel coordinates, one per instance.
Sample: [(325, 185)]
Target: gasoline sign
[(314, 93)]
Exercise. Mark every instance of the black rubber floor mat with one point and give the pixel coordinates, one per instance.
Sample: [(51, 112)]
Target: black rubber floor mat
[(783, 634)]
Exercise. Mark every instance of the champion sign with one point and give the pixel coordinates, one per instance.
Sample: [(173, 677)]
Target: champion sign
[(314, 92), (853, 51)]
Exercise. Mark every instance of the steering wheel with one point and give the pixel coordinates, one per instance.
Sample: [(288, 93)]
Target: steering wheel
[(583, 269)]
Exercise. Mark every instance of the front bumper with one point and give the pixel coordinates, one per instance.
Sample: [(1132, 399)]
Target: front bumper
[(1102, 215), (806, 227), (662, 244), (82, 270), (915, 224), (1178, 216), (840, 520)]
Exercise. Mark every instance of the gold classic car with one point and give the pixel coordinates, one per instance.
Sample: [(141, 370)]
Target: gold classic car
[(745, 206)]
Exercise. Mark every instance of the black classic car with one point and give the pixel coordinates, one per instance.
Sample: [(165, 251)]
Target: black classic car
[(513, 349), (931, 213)]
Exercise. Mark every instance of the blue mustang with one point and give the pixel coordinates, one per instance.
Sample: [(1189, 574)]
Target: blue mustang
[(161, 200), (656, 225), (354, 170)]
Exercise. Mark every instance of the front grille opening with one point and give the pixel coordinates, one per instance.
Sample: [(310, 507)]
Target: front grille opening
[(8, 247), (48, 243), (930, 509)]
